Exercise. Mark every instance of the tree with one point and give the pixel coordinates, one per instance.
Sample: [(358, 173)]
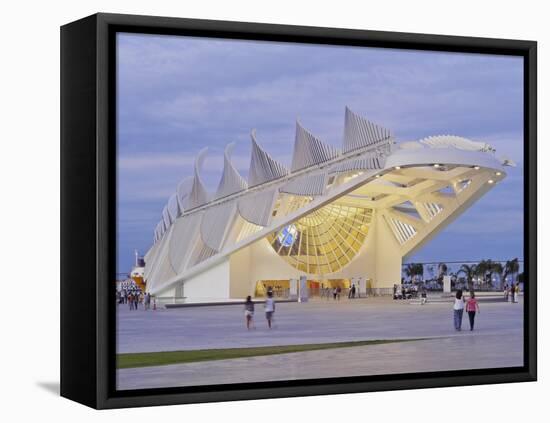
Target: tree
[(511, 268), (469, 271), (498, 269), (414, 269), (485, 270), (430, 269), (441, 271)]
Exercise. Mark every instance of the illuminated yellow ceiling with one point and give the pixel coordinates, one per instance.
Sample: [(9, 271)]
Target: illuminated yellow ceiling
[(325, 240)]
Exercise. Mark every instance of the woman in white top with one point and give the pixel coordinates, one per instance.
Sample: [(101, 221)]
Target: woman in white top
[(458, 309)]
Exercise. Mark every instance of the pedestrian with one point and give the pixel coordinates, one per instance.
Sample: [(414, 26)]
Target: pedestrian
[(338, 292), (515, 292), (506, 292), (423, 296), (131, 301), (249, 312), (269, 308), (334, 293), (147, 303), (353, 291), (471, 307), (458, 310)]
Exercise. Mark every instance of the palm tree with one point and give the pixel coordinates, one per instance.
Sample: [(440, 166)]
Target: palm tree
[(498, 269), (485, 270), (414, 269), (430, 269), (511, 268), (469, 271), (409, 270), (441, 271), (514, 267)]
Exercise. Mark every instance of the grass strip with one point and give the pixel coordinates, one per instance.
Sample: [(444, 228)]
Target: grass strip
[(163, 358)]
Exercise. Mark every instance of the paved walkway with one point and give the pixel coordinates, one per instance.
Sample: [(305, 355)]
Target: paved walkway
[(314, 322), (496, 342), (464, 352)]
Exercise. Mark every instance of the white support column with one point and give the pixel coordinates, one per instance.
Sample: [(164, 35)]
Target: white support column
[(362, 287), (387, 266), (303, 292), (293, 292)]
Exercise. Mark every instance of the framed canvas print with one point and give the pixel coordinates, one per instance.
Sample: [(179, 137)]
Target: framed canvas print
[(257, 211)]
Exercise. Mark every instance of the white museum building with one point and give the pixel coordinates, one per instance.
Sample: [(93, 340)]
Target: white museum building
[(334, 217)]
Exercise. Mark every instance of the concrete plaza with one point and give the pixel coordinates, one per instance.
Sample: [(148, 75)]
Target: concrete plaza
[(497, 340)]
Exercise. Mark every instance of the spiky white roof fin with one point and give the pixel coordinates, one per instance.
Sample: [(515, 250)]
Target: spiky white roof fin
[(173, 207), (182, 191), (361, 133), (231, 181), (198, 194), (263, 167), (310, 150)]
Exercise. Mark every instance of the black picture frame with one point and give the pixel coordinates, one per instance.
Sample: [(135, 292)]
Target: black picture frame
[(88, 194)]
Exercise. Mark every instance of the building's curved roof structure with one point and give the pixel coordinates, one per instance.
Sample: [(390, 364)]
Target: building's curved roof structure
[(317, 213)]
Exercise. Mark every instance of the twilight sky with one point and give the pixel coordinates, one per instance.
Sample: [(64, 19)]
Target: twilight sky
[(179, 94)]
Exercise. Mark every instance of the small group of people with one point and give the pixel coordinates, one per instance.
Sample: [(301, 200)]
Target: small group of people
[(511, 293), (471, 306), (269, 308), (134, 298), (404, 292)]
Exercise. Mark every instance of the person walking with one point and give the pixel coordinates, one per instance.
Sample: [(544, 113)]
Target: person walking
[(515, 292), (506, 292), (458, 310), (353, 291), (269, 308), (334, 293), (131, 301), (136, 300), (471, 307), (338, 292), (249, 312), (423, 296)]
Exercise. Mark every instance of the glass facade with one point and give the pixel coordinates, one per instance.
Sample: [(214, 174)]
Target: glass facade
[(324, 241)]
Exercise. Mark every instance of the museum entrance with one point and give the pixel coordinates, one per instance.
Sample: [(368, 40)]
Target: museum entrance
[(316, 287)]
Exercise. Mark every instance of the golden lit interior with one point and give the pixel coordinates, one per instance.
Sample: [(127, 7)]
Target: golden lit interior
[(324, 241)]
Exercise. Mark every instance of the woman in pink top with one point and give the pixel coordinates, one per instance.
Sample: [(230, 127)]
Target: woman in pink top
[(471, 307)]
